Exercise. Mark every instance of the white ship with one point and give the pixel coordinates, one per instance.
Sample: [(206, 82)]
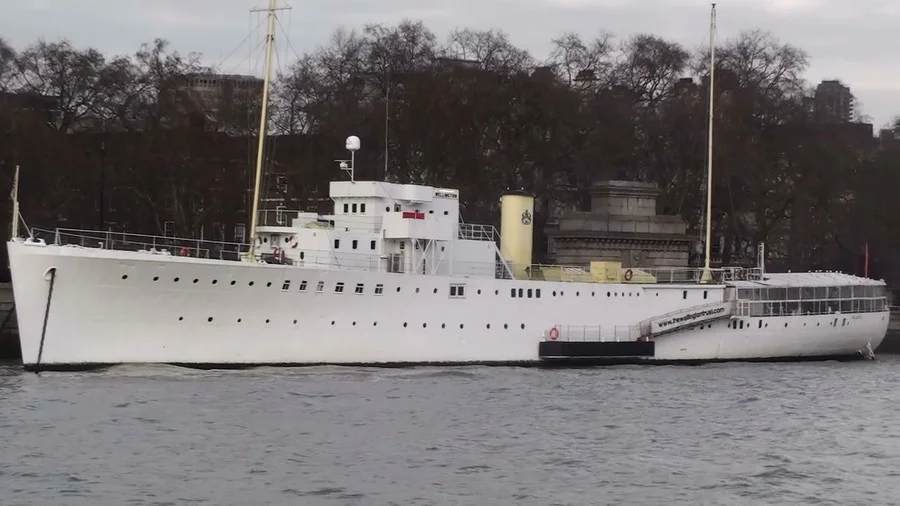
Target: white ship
[(394, 276)]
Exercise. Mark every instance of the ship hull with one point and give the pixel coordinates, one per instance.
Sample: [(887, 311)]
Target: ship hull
[(113, 307)]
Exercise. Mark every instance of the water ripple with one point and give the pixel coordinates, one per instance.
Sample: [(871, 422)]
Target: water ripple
[(819, 433)]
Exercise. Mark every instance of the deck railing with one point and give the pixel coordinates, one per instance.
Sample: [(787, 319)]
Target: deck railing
[(125, 241), (475, 232), (667, 275), (595, 333)]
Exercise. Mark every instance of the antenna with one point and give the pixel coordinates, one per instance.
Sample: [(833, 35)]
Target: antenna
[(709, 173), (352, 144)]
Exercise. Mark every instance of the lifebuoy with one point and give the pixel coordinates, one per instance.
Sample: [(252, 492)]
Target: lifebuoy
[(293, 241), (554, 334), (628, 275)]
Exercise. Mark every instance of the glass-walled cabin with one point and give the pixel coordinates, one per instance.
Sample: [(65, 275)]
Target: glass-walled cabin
[(762, 302)]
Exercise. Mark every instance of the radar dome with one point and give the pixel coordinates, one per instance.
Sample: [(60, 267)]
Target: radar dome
[(352, 143)]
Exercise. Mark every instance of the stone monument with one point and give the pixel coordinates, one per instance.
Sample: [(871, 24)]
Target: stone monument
[(622, 226)]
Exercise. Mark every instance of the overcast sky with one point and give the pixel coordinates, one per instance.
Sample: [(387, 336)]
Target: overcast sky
[(854, 40)]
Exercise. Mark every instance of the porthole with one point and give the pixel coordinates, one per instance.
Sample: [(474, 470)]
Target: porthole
[(488, 325), (443, 325), (479, 291), (435, 290), (267, 320), (554, 293), (424, 325), (215, 281), (295, 322), (251, 283), (176, 279), (522, 326), (505, 326), (332, 322), (374, 324), (180, 318), (196, 281), (404, 324), (239, 320), (417, 290), (496, 292), (209, 319), (608, 294), (354, 323), (269, 284), (577, 294), (460, 325), (124, 276), (398, 289), (155, 278), (233, 282)]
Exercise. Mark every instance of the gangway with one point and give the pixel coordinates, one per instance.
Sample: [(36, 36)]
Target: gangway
[(687, 317)]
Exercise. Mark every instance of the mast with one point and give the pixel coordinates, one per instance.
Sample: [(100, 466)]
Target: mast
[(270, 40), (709, 155), (15, 209)]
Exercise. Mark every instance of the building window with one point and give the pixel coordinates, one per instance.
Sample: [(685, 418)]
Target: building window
[(240, 233)]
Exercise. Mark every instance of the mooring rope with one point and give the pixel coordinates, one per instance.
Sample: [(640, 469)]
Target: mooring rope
[(37, 365)]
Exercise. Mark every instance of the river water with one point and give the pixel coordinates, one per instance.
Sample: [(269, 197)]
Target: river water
[(808, 433)]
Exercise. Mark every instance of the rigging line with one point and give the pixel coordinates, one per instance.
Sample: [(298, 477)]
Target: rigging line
[(246, 39), (261, 43), (287, 39)]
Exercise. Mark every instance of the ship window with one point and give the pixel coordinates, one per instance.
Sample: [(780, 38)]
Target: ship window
[(529, 293), (379, 289), (354, 243), (371, 244), (303, 286), (760, 324), (446, 213), (346, 207), (537, 293), (339, 287), (684, 294), (704, 294), (320, 286), (359, 289), (354, 208), (362, 208), (387, 209), (302, 255), (396, 208), (286, 285), (431, 211), (512, 292), (337, 243), (457, 291), (520, 293)]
